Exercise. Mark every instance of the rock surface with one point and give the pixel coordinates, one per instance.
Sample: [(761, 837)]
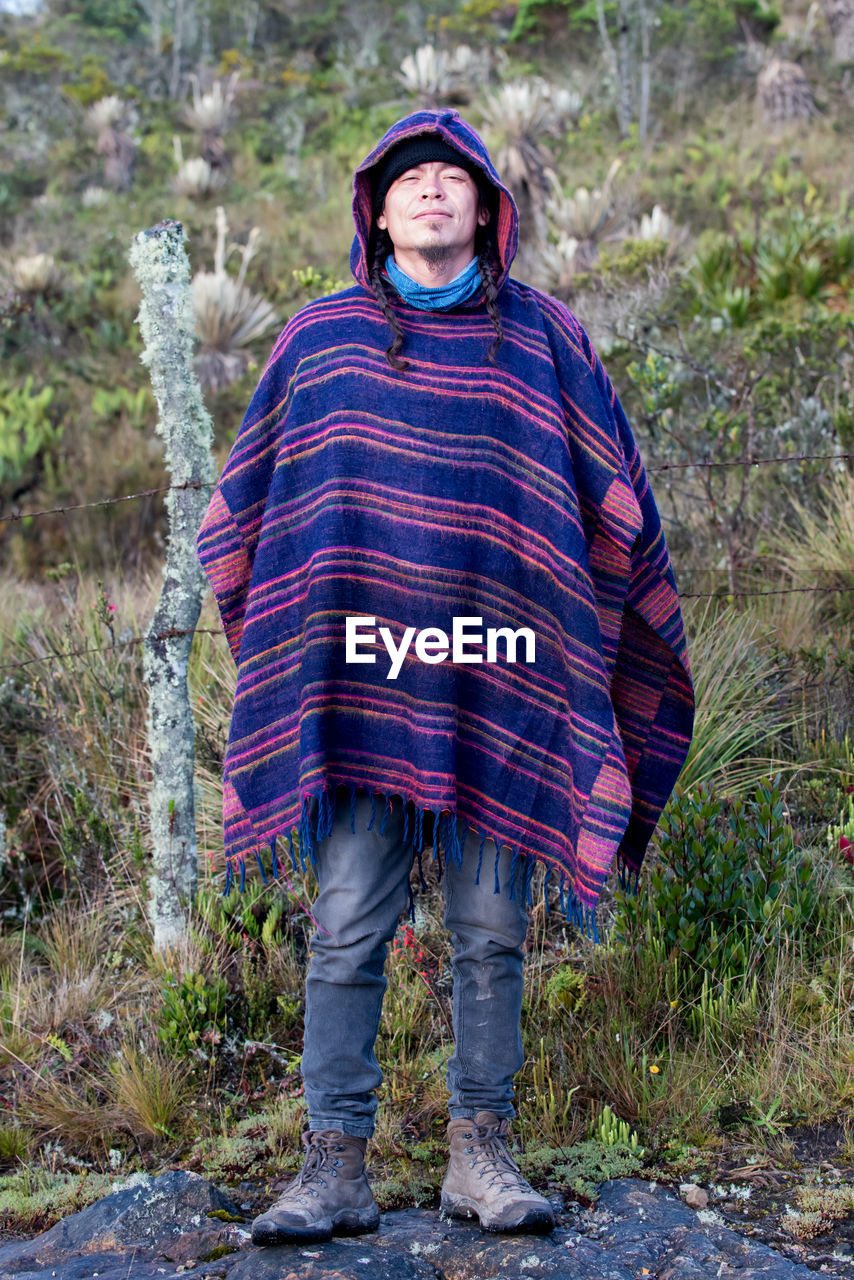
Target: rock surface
[(162, 1227)]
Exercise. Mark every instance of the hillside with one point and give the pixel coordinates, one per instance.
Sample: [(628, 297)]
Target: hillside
[(683, 173)]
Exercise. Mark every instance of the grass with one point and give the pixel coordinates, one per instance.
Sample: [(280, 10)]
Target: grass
[(86, 1083), (745, 701), (82, 996), (819, 546), (100, 1085)]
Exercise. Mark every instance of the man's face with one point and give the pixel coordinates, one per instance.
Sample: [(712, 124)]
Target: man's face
[(433, 210)]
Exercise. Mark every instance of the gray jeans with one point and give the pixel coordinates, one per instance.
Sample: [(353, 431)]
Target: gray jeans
[(363, 889)]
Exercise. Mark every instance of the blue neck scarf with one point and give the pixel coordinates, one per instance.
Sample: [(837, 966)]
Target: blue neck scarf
[(439, 297)]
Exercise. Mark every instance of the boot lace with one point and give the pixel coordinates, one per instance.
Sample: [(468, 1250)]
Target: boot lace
[(317, 1148), (489, 1151)]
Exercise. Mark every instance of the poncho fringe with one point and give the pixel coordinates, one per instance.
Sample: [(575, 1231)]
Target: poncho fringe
[(448, 838)]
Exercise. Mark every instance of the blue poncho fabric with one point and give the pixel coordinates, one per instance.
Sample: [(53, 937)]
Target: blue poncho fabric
[(512, 495)]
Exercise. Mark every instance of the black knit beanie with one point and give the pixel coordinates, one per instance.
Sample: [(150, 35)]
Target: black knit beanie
[(420, 150)]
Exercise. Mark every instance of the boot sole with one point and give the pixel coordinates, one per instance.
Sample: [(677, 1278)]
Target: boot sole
[(532, 1221), (346, 1222)]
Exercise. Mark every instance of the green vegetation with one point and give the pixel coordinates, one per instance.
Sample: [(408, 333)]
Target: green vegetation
[(27, 433), (712, 262)]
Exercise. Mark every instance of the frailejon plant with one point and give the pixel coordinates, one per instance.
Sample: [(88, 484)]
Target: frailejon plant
[(728, 884), (797, 251)]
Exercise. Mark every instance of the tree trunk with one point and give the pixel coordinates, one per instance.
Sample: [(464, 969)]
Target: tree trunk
[(205, 42), (154, 9), (610, 57), (253, 13), (625, 71), (177, 48), (643, 108), (166, 322), (839, 16)]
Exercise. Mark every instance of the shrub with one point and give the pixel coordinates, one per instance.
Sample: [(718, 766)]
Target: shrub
[(240, 917), (795, 252), (729, 884), (31, 57), (193, 1012)]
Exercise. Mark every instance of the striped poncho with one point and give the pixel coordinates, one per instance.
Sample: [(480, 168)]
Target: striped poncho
[(507, 501)]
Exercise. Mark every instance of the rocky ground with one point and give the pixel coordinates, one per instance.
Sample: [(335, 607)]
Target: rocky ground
[(181, 1224)]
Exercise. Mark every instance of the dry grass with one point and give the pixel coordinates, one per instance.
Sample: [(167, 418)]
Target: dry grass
[(74, 999), (790, 619), (285, 1122), (819, 550), (744, 702), (92, 981), (187, 955), (149, 1090), (19, 1044), (211, 678), (140, 1092), (75, 1115), (76, 941)]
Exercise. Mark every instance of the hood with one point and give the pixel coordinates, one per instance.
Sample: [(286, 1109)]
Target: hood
[(448, 123)]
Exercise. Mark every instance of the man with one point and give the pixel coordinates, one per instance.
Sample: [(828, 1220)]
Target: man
[(444, 581)]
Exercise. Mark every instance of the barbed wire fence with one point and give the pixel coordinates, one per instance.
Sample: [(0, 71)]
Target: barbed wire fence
[(172, 633), (169, 637), (697, 464)]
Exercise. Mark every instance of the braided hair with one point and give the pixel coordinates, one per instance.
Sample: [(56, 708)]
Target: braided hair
[(484, 266), (378, 251), (380, 246)]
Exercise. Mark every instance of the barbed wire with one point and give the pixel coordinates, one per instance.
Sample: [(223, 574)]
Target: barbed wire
[(753, 462), (775, 591), (107, 502), (700, 463), (173, 633)]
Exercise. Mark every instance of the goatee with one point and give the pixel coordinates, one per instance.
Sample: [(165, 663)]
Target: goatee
[(436, 255)]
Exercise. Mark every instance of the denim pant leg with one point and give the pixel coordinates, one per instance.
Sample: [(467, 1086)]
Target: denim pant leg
[(363, 888), (488, 932)]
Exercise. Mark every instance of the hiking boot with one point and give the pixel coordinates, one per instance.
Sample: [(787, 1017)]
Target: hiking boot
[(483, 1179), (329, 1196)]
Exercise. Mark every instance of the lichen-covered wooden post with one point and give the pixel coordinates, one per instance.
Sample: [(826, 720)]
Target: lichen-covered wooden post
[(166, 321)]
